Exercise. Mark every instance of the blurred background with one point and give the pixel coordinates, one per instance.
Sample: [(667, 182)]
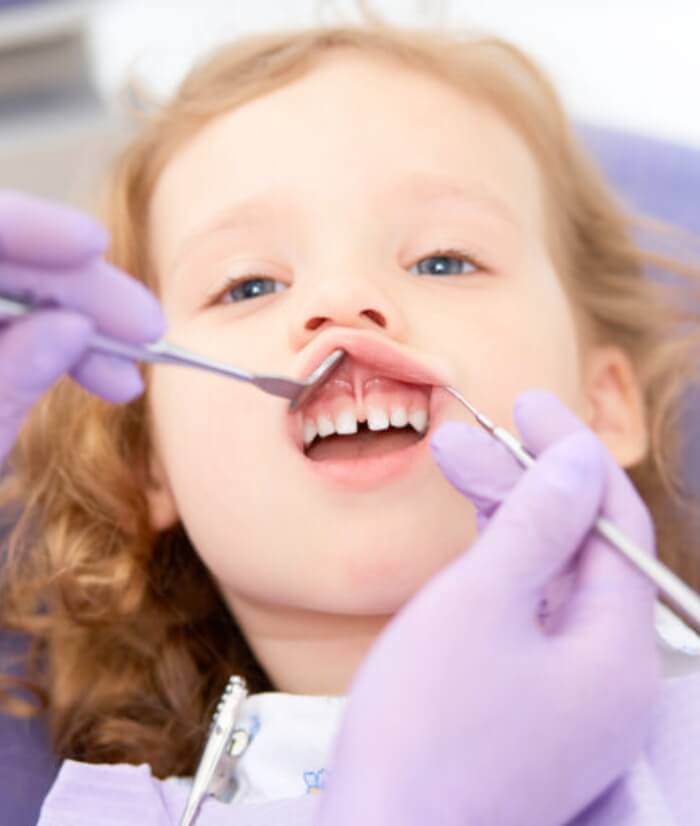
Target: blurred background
[(64, 63)]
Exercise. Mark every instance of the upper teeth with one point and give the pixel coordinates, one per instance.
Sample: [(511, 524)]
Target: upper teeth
[(377, 419)]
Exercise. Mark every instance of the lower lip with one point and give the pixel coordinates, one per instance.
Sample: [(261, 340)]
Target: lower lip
[(373, 471)]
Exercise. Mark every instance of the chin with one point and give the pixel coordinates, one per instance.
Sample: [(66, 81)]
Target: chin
[(377, 588)]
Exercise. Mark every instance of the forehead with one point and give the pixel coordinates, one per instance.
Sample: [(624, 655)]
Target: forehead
[(354, 136)]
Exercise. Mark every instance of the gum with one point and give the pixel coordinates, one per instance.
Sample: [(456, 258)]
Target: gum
[(383, 393)]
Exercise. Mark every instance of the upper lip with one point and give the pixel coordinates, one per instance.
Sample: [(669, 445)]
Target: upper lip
[(388, 360)]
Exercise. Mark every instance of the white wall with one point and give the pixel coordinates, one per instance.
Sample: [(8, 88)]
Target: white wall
[(626, 63)]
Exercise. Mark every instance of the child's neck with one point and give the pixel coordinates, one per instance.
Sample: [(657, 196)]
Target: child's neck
[(307, 652)]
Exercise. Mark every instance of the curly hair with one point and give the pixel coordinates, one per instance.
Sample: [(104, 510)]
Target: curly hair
[(131, 641)]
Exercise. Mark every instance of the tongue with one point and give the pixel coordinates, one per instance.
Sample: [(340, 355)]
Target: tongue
[(361, 444)]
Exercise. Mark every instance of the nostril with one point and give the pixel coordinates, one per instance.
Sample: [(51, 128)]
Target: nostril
[(376, 317), (314, 323)]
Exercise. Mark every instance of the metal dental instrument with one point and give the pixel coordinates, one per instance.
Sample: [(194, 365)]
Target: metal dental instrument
[(162, 352), (225, 744), (671, 586)]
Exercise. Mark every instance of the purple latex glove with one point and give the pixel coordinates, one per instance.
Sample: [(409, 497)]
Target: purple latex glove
[(472, 709), (52, 252)]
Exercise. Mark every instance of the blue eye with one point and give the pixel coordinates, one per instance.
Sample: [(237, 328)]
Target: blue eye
[(244, 288), (447, 262)]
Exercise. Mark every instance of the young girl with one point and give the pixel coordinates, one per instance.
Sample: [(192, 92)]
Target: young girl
[(419, 201)]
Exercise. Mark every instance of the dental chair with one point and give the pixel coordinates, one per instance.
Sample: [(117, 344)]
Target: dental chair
[(658, 178)]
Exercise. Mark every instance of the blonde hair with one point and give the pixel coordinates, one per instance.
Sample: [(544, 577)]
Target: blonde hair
[(131, 640)]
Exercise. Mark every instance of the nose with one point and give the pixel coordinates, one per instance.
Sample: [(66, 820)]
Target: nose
[(348, 303)]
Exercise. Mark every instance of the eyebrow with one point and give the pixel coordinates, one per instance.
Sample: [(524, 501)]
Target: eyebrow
[(426, 187), (432, 188), (251, 211)]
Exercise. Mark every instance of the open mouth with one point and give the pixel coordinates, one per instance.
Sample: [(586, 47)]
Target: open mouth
[(366, 425), (359, 417), (363, 444)]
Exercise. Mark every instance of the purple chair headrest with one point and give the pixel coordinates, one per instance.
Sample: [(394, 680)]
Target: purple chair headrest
[(658, 178)]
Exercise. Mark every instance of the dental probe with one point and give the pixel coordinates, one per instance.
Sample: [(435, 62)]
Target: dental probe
[(668, 583), (163, 352)]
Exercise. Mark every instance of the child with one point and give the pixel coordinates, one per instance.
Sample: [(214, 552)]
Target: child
[(418, 200)]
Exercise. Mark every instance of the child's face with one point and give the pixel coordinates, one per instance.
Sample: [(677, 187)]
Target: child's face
[(351, 176)]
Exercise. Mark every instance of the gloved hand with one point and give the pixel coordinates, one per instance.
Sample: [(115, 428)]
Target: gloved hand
[(473, 708), (52, 252)]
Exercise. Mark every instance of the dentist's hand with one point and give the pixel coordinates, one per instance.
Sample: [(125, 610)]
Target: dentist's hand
[(471, 709), (52, 252)]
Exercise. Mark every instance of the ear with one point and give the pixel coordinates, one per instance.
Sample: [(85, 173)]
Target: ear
[(161, 502), (614, 404)]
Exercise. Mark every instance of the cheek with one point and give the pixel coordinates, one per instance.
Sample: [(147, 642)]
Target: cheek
[(211, 434), (521, 338), (540, 349)]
